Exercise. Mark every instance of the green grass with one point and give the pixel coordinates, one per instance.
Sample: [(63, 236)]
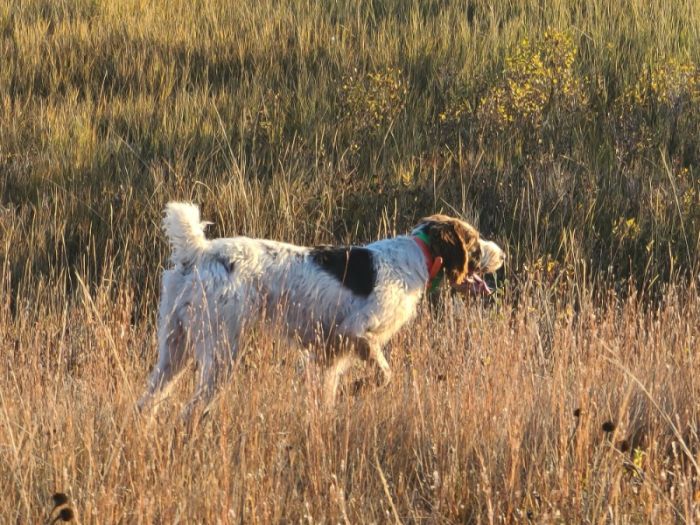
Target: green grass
[(567, 131), (109, 110)]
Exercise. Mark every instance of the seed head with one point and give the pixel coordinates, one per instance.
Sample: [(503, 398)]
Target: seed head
[(608, 427), (59, 499), (66, 515)]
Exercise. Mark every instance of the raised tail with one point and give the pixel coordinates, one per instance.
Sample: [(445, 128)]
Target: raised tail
[(185, 232)]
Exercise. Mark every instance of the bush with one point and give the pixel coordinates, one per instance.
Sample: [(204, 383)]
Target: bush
[(538, 93), (371, 103), (659, 111)]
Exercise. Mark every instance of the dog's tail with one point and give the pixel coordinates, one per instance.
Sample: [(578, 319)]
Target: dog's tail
[(185, 232)]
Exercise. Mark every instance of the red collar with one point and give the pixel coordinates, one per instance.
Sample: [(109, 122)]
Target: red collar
[(433, 264)]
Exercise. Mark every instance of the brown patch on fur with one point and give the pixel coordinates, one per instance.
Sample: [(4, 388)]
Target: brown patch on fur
[(453, 240)]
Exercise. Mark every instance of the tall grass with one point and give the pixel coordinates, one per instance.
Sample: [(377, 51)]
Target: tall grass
[(494, 415), (567, 131), (111, 109)]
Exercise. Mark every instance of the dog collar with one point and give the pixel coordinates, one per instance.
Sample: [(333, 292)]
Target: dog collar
[(434, 264)]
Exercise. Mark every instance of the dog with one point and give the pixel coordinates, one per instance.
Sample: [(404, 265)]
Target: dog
[(347, 301)]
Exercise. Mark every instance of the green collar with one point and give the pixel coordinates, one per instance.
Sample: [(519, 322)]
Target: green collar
[(434, 284), (423, 237)]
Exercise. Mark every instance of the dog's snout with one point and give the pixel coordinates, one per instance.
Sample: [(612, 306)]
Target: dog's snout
[(492, 256)]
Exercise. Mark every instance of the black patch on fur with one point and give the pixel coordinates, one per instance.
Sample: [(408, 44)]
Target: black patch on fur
[(271, 252), (352, 266), (186, 268), (226, 263)]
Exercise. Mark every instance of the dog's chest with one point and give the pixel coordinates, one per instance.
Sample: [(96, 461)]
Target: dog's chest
[(394, 309)]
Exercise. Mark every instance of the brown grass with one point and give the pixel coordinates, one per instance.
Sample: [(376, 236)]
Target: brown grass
[(495, 414)]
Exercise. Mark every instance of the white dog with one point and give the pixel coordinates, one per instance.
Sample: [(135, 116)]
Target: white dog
[(348, 301)]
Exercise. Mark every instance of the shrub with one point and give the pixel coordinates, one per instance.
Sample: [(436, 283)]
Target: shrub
[(539, 88), (371, 103), (658, 111)]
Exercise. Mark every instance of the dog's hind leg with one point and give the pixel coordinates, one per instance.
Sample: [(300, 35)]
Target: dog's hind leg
[(174, 326), (171, 359), (215, 354)]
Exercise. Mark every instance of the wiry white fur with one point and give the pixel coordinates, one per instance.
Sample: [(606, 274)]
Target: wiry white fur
[(216, 287), (185, 231)]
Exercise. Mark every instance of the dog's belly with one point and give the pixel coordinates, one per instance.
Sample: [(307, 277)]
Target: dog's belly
[(309, 314)]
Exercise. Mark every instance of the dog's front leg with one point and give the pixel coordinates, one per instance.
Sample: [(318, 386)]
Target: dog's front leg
[(377, 355), (369, 350), (354, 349), (340, 364)]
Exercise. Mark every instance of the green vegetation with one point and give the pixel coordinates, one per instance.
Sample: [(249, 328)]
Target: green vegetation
[(548, 125), (568, 131)]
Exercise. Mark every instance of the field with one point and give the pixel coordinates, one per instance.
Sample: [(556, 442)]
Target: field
[(569, 132)]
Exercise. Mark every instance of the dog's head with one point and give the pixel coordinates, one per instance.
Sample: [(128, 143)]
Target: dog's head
[(466, 257)]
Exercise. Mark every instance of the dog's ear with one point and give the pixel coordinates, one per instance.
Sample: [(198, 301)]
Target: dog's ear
[(454, 241), (438, 217)]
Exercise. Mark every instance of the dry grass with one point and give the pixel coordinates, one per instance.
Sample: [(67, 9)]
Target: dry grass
[(545, 124), (568, 131), (495, 414)]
